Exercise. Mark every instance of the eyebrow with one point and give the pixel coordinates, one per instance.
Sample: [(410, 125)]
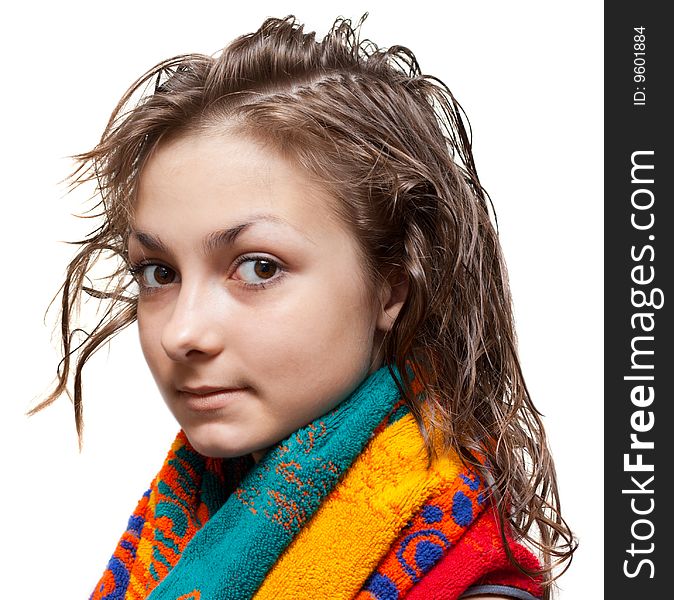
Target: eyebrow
[(214, 240)]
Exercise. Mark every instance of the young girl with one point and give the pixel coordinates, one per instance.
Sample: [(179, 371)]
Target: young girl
[(322, 301)]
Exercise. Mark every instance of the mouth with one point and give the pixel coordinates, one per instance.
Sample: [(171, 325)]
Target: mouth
[(205, 399)]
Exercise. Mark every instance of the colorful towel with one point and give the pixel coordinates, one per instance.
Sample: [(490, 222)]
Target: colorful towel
[(343, 508), (479, 561)]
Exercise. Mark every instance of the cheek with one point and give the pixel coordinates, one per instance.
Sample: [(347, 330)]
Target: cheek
[(322, 323), (149, 334)]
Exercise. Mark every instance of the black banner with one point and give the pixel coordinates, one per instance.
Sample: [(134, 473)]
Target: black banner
[(639, 344)]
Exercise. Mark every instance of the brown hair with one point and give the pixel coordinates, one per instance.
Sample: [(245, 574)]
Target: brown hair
[(393, 145)]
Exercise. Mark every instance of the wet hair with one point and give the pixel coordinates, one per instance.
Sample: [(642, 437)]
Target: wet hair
[(393, 146)]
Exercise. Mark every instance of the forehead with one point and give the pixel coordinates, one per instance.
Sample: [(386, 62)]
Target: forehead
[(223, 178)]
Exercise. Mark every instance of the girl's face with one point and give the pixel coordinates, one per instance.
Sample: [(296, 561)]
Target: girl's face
[(250, 284)]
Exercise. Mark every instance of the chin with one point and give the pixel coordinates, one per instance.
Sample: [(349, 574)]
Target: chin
[(210, 444)]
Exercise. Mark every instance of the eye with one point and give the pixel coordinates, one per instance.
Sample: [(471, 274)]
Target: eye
[(259, 271), (153, 275)]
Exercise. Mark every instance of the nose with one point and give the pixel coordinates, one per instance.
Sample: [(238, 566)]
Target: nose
[(192, 329)]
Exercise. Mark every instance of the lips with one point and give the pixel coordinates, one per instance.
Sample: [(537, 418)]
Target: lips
[(203, 390), (208, 398)]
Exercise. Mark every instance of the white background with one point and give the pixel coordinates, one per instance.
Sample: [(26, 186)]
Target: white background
[(530, 77)]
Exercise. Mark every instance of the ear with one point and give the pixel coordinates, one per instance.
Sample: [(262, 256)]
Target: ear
[(392, 298)]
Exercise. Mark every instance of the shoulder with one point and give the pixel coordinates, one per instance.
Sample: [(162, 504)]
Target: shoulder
[(496, 592), (487, 597)]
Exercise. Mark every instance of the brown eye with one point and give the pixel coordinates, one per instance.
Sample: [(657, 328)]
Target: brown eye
[(154, 276), (255, 271), (264, 268), (163, 275)]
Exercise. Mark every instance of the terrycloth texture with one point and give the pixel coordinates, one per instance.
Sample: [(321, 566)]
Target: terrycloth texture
[(402, 529), (360, 520), (342, 508)]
